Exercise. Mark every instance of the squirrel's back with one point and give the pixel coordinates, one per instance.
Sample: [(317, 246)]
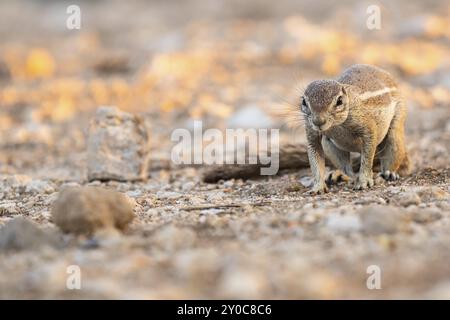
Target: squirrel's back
[(367, 78)]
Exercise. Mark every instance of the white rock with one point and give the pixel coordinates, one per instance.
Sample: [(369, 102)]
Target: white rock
[(307, 181), (343, 223), (228, 183), (134, 193), (168, 195), (118, 146), (212, 211), (188, 186)]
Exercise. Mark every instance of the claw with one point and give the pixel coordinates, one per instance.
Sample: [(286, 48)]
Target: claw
[(363, 183), (389, 175), (318, 189)]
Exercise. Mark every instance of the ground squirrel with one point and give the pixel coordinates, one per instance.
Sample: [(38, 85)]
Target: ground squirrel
[(361, 111)]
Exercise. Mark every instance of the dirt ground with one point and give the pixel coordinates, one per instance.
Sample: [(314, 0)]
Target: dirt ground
[(176, 61)]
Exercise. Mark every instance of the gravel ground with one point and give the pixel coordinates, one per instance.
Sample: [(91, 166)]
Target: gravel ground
[(262, 238)]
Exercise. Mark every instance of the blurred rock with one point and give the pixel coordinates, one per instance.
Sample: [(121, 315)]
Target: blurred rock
[(188, 186), (172, 238), (187, 266), (243, 283), (8, 207), (250, 117), (424, 215), (407, 198), (433, 193), (118, 146), (307, 181), (20, 184), (22, 234), (370, 200), (294, 187), (168, 195), (343, 223), (377, 220), (40, 186), (89, 209)]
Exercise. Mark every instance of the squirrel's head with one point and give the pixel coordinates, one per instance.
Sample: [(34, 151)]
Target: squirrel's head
[(325, 104)]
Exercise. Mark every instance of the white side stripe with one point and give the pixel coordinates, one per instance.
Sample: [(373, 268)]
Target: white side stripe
[(372, 94)]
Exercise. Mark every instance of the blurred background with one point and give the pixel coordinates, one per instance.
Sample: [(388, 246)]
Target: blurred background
[(193, 59), (227, 63)]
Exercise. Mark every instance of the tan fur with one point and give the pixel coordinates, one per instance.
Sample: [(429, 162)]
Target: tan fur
[(361, 111)]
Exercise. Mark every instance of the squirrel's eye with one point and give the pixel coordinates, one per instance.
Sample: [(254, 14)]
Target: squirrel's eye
[(304, 106), (339, 101), (303, 102)]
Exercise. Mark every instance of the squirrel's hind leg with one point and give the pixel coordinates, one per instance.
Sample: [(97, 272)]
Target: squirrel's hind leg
[(392, 151)]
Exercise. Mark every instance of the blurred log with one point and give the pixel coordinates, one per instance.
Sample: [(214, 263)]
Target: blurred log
[(291, 156)]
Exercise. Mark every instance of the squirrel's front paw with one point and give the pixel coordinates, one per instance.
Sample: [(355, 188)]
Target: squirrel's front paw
[(389, 175), (363, 182), (318, 188), (336, 176)]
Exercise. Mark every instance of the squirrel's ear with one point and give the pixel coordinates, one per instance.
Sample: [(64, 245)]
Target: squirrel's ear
[(344, 91)]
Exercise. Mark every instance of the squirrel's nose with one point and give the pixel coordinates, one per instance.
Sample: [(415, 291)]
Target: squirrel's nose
[(318, 121)]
